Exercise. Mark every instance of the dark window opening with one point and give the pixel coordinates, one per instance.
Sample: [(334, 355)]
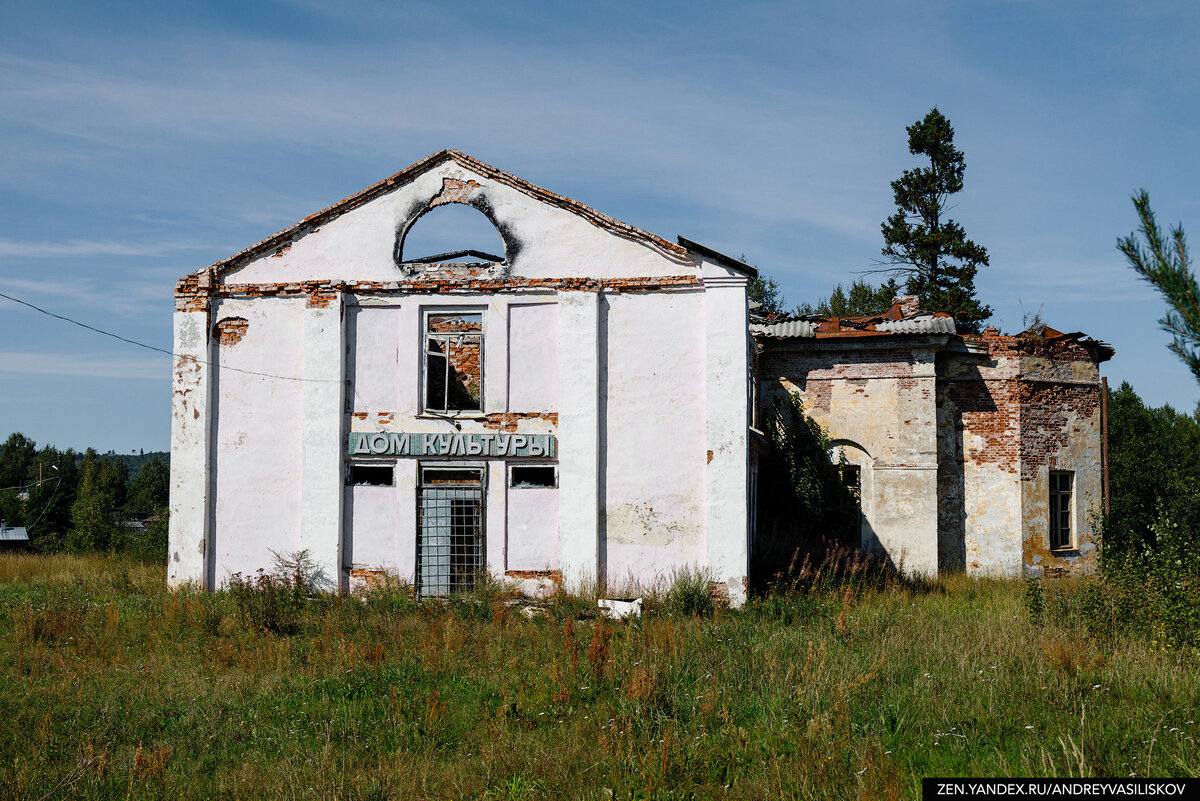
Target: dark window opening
[(1060, 510), (370, 475), (453, 362), (435, 476), (851, 476), (541, 475)]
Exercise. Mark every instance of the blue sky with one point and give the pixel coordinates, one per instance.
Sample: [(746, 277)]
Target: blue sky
[(144, 140)]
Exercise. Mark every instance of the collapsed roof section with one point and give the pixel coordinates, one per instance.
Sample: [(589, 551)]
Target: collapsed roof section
[(899, 319), (903, 318)]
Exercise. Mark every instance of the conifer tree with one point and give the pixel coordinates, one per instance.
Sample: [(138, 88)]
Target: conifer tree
[(930, 250), (861, 300), (1166, 264)]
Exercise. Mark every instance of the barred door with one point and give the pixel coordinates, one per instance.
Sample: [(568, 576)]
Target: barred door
[(450, 541)]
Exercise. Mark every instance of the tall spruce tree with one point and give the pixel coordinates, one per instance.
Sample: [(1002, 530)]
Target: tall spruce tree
[(926, 247)]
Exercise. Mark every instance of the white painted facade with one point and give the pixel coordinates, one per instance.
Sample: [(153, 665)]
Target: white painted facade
[(629, 351)]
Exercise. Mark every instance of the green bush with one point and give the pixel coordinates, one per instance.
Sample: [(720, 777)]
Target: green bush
[(1155, 590), (269, 601)]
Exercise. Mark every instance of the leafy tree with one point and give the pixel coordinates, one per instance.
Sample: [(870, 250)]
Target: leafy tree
[(926, 247), (16, 454), (101, 492), (1151, 557), (48, 510), (862, 299), (1165, 264), (1154, 470), (150, 489)]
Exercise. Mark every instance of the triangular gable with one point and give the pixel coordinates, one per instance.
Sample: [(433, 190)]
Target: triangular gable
[(312, 222)]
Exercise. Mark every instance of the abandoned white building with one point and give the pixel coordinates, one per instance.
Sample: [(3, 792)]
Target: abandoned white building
[(579, 409), (574, 409)]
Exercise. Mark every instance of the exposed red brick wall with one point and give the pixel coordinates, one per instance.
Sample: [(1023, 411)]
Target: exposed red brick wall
[(553, 575), (990, 410), (813, 370), (321, 293), (230, 330), (507, 421), (1045, 411)]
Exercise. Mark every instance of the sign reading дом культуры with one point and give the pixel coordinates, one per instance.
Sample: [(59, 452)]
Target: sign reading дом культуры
[(409, 444)]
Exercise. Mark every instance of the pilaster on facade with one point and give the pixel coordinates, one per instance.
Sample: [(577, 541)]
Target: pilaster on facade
[(907, 525), (322, 429), (191, 443), (579, 339), (727, 429)]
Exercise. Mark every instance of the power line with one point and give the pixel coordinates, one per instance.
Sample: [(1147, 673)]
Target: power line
[(20, 487), (170, 353)]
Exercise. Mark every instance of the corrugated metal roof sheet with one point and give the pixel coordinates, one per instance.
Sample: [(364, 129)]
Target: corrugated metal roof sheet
[(921, 324), (13, 534), (785, 330)]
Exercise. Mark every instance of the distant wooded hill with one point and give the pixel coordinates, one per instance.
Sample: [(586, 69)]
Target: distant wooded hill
[(133, 461)]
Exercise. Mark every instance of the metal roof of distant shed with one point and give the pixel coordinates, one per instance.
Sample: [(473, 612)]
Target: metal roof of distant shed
[(13, 533)]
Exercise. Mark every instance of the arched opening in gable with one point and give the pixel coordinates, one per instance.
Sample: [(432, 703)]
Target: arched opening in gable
[(453, 233)]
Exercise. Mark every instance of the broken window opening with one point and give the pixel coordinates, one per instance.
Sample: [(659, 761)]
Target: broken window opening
[(366, 474), (451, 233), (450, 538), (453, 362), (1061, 530), (851, 478), (533, 476)]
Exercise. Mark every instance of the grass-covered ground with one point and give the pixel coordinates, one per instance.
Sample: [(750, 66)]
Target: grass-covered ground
[(113, 687)]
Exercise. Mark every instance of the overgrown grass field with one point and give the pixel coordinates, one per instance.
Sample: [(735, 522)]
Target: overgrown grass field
[(114, 687)]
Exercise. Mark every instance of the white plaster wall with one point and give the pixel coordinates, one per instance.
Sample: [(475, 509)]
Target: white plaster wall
[(257, 467), (406, 519), (358, 245), (533, 357), (373, 361), (372, 524), (653, 431), (532, 528), (992, 502)]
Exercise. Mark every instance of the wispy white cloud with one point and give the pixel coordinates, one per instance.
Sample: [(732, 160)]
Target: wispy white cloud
[(11, 248), (80, 365), (122, 295)]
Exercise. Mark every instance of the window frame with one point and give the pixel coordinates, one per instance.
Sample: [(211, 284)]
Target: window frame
[(423, 365), (1060, 534), (519, 465)]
